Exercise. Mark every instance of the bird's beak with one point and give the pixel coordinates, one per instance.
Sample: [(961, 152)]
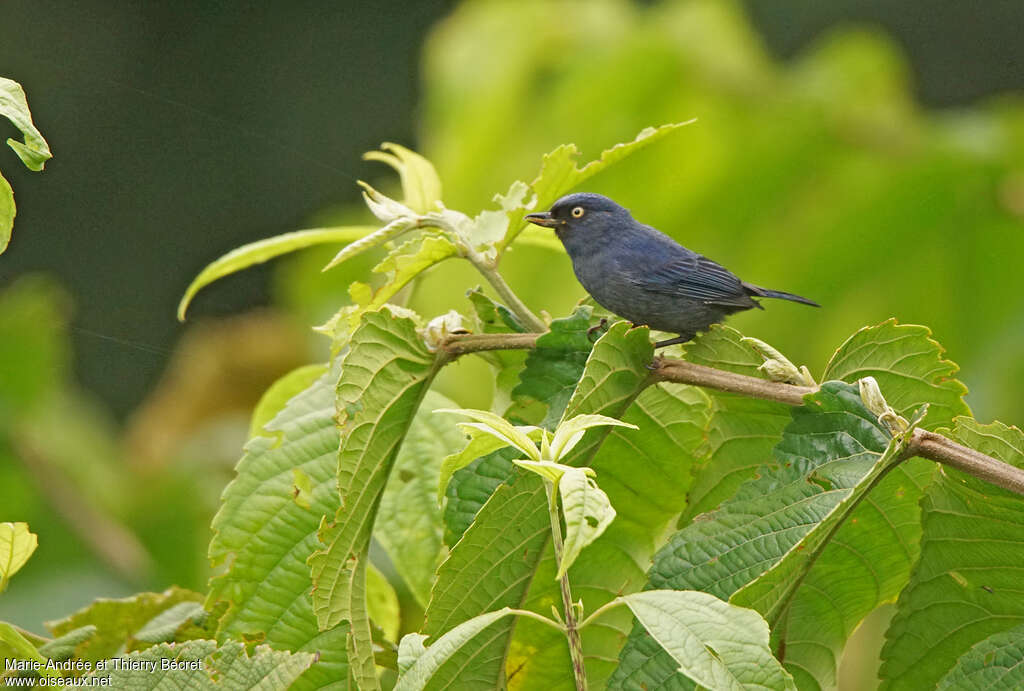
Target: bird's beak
[(544, 218)]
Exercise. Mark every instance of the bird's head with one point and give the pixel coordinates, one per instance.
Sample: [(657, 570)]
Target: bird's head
[(581, 217)]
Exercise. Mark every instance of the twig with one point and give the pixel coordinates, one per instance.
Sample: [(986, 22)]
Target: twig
[(930, 445), (497, 281), (943, 450), (572, 633)]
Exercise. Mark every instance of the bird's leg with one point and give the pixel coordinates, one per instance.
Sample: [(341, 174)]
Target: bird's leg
[(601, 326), (681, 338)]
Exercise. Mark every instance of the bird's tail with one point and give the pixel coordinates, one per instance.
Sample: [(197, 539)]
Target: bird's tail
[(767, 293)]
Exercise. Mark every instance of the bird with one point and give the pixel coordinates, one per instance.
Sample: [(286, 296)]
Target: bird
[(642, 274)]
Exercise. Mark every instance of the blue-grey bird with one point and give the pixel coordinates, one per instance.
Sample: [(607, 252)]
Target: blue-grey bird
[(643, 275)]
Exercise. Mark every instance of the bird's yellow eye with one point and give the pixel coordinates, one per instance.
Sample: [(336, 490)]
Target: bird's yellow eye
[(577, 212)]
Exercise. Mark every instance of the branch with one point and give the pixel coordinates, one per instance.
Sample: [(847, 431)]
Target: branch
[(930, 445)]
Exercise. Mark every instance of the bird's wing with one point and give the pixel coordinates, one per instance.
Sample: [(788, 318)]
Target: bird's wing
[(695, 277)]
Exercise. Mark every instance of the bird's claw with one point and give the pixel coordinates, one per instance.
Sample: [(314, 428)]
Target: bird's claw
[(601, 326)]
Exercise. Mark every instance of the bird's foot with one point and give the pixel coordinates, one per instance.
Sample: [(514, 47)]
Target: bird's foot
[(681, 338), (655, 364), (601, 326)]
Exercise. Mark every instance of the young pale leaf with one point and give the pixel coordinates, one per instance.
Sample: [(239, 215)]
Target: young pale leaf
[(569, 433), (385, 374), (717, 645), (587, 510), (539, 392), (645, 476), (410, 648), (552, 472), (16, 546), (500, 428), (384, 207), (432, 660), (966, 585), (421, 187), (228, 666), (267, 583), (34, 152), (389, 232), (263, 250), (997, 662), (402, 264), (559, 172)]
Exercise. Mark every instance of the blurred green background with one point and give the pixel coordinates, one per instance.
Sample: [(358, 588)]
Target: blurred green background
[(868, 155)]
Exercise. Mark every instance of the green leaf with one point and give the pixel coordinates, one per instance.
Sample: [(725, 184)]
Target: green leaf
[(646, 476), (996, 662), (385, 374), (741, 432), (8, 210), (717, 645), (489, 568), (481, 443), (548, 379), (615, 373), (16, 546), (500, 428), (559, 172), (63, 647), (266, 582), (21, 649), (908, 366), (263, 250), (34, 152), (421, 187), (966, 585), (117, 621), (429, 665), (279, 393), (382, 603), (552, 369), (471, 487), (302, 488), (163, 627), (570, 433), (400, 266), (773, 591), (587, 510), (409, 525), (831, 445), (204, 665)]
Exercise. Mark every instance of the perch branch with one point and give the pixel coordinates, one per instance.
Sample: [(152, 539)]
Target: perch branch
[(930, 445)]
